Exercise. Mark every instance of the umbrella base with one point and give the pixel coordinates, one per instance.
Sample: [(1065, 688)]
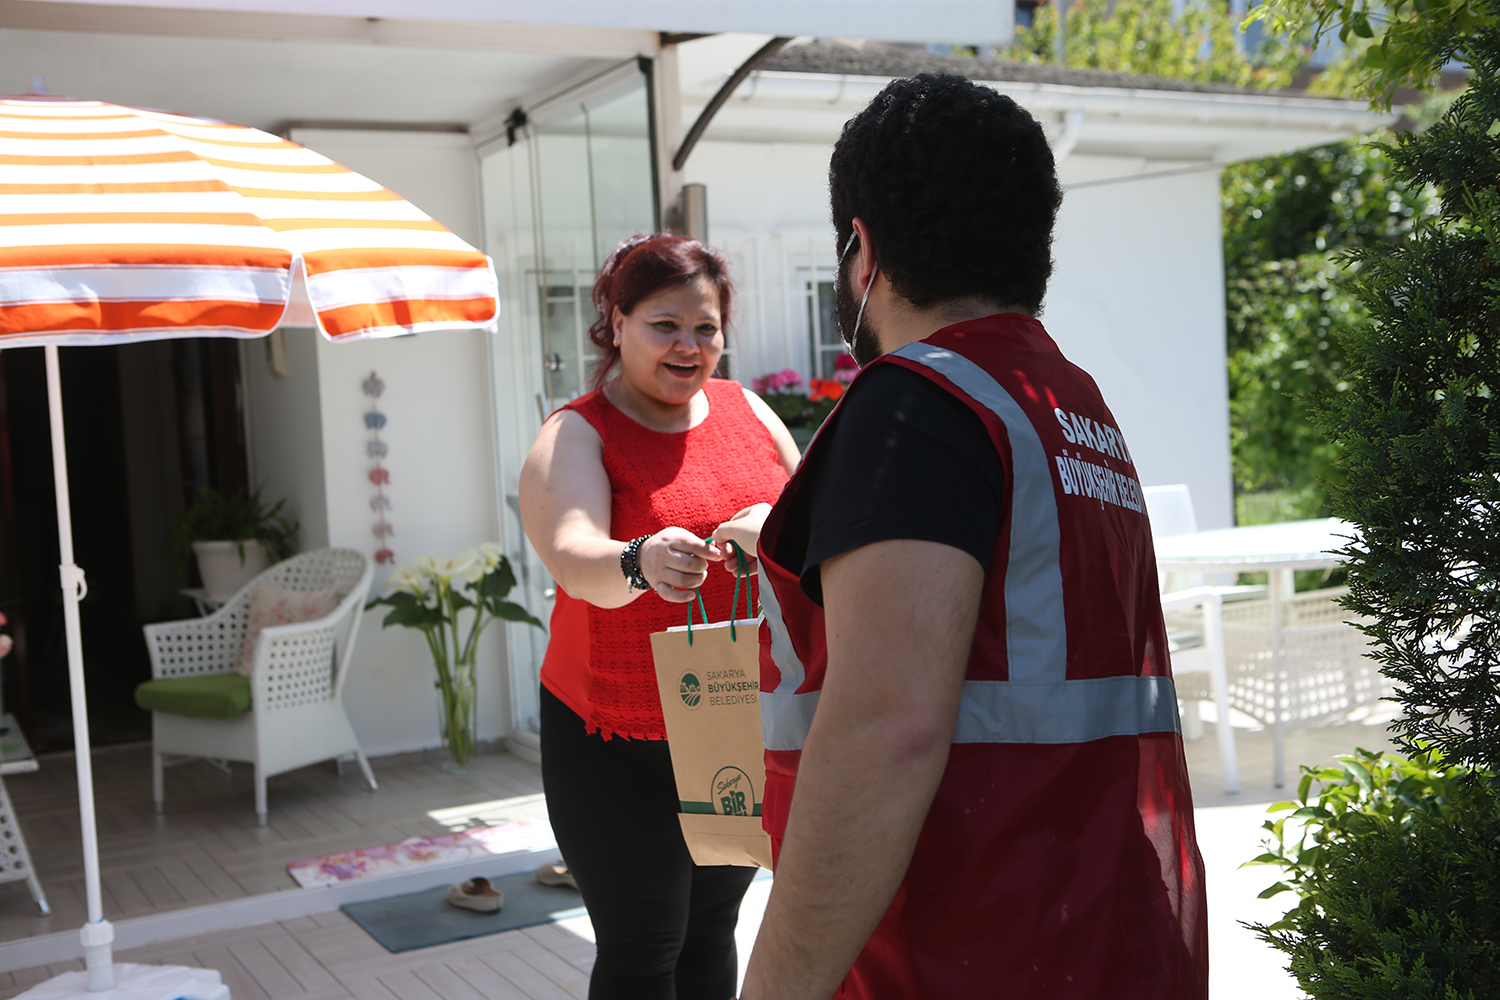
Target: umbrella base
[(136, 982)]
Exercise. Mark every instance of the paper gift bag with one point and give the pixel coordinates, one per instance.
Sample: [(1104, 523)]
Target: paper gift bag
[(710, 699)]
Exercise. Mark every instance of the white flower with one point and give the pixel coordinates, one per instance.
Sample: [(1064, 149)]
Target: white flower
[(472, 563), (406, 578), (492, 553), (445, 569)]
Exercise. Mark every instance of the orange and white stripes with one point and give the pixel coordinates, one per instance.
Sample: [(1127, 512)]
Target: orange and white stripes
[(120, 224)]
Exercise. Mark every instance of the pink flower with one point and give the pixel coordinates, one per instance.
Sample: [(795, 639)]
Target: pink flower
[(785, 381), (6, 642), (845, 362)]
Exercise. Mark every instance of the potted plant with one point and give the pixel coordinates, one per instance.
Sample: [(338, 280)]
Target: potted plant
[(233, 538), (432, 595), (804, 410)]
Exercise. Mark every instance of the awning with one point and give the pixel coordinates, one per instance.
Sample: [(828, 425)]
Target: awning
[(972, 22)]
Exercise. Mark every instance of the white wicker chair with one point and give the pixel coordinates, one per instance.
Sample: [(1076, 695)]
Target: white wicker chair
[(296, 714)]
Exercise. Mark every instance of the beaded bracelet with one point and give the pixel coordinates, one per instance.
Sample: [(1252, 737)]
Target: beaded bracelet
[(630, 564)]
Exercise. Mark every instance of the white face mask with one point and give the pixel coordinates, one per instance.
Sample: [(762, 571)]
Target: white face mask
[(848, 338)]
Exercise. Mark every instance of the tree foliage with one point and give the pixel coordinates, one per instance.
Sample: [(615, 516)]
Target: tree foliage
[(1285, 220), (1398, 43), (1150, 38)]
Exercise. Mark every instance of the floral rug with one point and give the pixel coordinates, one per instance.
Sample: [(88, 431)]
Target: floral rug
[(418, 852)]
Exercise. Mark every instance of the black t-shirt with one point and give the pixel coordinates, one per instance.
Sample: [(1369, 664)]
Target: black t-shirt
[(902, 458)]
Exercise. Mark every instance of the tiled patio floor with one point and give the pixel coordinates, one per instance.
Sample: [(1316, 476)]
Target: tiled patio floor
[(328, 957)]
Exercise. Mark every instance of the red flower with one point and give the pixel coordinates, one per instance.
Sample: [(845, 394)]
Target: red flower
[(380, 477), (824, 388)]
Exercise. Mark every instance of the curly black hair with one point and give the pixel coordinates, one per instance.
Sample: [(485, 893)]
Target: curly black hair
[(958, 187)]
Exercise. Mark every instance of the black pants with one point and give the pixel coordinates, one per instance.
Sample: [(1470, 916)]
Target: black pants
[(664, 926)]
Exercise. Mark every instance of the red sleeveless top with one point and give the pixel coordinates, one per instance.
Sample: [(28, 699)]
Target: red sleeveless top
[(598, 660)]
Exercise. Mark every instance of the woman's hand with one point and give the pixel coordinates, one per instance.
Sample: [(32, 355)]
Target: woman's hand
[(675, 561), (743, 529)]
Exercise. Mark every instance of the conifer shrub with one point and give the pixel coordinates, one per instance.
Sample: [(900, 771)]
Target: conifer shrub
[(1397, 864), (1419, 425)]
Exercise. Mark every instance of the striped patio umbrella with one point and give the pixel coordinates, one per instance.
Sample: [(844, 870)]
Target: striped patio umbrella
[(119, 224)]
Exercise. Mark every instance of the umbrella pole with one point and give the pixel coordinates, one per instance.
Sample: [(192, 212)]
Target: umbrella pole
[(97, 934)]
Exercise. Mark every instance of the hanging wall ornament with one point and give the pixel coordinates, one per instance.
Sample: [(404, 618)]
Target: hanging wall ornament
[(379, 476)]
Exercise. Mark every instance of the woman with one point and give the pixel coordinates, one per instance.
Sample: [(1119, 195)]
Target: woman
[(617, 495)]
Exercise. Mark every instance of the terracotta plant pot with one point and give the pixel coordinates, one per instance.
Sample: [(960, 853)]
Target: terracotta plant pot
[(220, 567)]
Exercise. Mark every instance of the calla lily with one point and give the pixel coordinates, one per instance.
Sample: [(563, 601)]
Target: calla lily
[(445, 569), (474, 565), (451, 599), (405, 578)]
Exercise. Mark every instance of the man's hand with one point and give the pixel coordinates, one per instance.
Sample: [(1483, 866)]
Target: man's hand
[(900, 621), (744, 530)]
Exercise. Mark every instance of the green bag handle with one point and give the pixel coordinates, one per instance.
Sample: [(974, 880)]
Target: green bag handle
[(741, 575)]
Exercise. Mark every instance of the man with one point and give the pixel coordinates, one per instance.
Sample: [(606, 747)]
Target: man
[(964, 673)]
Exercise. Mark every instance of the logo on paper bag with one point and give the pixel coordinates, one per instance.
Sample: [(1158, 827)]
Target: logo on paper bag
[(731, 792), (690, 689)]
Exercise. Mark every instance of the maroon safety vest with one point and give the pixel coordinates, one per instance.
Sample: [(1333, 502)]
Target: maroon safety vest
[(1058, 860)]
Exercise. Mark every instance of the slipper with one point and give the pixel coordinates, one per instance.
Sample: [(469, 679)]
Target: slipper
[(556, 873), (476, 894)]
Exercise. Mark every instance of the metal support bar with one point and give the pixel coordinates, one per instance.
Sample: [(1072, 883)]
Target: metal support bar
[(736, 78), (678, 37)]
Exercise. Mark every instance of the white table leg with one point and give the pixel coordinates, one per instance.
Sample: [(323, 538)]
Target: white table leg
[(1282, 586)]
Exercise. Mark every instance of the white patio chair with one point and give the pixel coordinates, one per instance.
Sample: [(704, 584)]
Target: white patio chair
[(296, 714), (1195, 641)]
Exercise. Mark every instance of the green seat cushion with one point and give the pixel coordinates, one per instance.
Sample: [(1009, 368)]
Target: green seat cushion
[(202, 696)]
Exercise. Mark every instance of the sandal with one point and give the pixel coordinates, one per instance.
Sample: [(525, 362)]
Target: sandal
[(555, 874), (476, 894)]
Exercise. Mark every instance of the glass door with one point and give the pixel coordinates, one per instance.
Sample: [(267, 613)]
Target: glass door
[(559, 192)]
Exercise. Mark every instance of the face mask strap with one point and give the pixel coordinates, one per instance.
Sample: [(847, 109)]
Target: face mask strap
[(855, 332), (862, 302)]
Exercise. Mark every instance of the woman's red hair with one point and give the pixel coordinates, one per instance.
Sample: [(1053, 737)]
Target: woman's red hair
[(639, 268)]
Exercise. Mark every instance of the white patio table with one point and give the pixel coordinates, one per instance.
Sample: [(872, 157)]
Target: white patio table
[(1276, 549)]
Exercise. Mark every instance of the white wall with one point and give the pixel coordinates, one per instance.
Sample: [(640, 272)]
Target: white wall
[(768, 210), (310, 442), (1137, 297), (286, 443)]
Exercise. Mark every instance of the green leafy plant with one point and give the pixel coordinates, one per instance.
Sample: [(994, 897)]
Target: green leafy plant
[(1370, 792), (433, 596), (236, 518), (1395, 863)]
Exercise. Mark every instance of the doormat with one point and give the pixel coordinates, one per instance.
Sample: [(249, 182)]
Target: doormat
[(424, 919), (418, 852)]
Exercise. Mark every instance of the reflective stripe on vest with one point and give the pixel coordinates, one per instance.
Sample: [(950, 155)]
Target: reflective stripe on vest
[(1038, 704)]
